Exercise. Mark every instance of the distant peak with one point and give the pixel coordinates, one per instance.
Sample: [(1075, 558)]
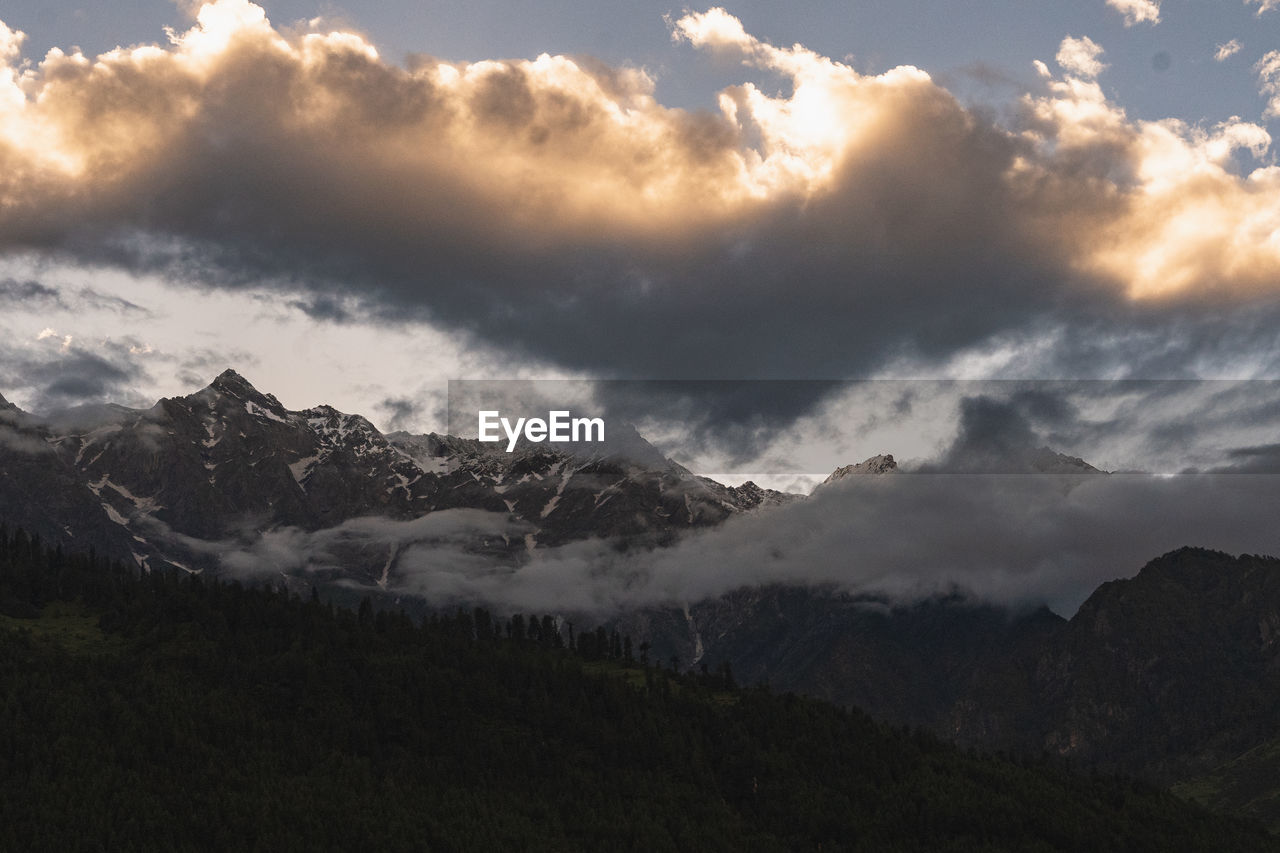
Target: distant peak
[(879, 464)]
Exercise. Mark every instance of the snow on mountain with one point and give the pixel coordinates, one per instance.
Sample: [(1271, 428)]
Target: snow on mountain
[(229, 470), (194, 477)]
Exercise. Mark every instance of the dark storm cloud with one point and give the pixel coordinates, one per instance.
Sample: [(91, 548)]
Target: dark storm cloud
[(1151, 425), (991, 433), (72, 375), (1263, 459), (402, 412), (324, 307), (736, 416)]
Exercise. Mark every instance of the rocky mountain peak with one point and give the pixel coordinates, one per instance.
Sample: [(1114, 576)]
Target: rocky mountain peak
[(229, 384), (880, 464)]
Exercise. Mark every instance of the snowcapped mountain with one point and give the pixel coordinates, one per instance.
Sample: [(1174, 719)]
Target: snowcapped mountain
[(181, 483)]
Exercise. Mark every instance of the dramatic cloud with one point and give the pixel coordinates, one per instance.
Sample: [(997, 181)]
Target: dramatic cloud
[(554, 211), (1141, 11), (1227, 50)]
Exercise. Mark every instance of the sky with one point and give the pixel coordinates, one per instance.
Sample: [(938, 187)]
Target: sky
[(353, 203)]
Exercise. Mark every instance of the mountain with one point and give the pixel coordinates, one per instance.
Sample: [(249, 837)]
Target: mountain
[(1173, 674), (1174, 670), (42, 492), (193, 478)]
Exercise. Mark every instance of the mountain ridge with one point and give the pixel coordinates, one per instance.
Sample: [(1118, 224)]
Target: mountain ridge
[(226, 461)]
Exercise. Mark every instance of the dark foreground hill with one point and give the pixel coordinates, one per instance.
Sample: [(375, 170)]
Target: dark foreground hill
[(1172, 675), (172, 713)]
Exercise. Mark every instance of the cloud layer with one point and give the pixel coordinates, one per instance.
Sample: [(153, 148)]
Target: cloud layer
[(1014, 538)]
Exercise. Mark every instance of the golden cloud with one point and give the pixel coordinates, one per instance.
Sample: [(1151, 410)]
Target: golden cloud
[(235, 124)]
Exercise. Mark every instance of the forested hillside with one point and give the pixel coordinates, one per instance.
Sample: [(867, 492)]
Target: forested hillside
[(167, 712)]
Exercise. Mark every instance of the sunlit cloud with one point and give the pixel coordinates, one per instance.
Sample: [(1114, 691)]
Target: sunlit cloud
[(1142, 11), (1079, 56), (1227, 50)]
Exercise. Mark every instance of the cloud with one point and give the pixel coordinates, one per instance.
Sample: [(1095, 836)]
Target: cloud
[(60, 372), (1079, 56), (1262, 459), (1164, 426), (21, 442), (1010, 538), (401, 412), (29, 294), (1140, 11), (1227, 50), (1268, 71), (446, 544), (553, 209), (1263, 5)]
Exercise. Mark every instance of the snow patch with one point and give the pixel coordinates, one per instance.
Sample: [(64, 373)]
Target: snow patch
[(113, 515), (83, 448), (146, 505), (259, 412), (212, 439), (302, 468), (566, 475), (96, 488), (386, 568)]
